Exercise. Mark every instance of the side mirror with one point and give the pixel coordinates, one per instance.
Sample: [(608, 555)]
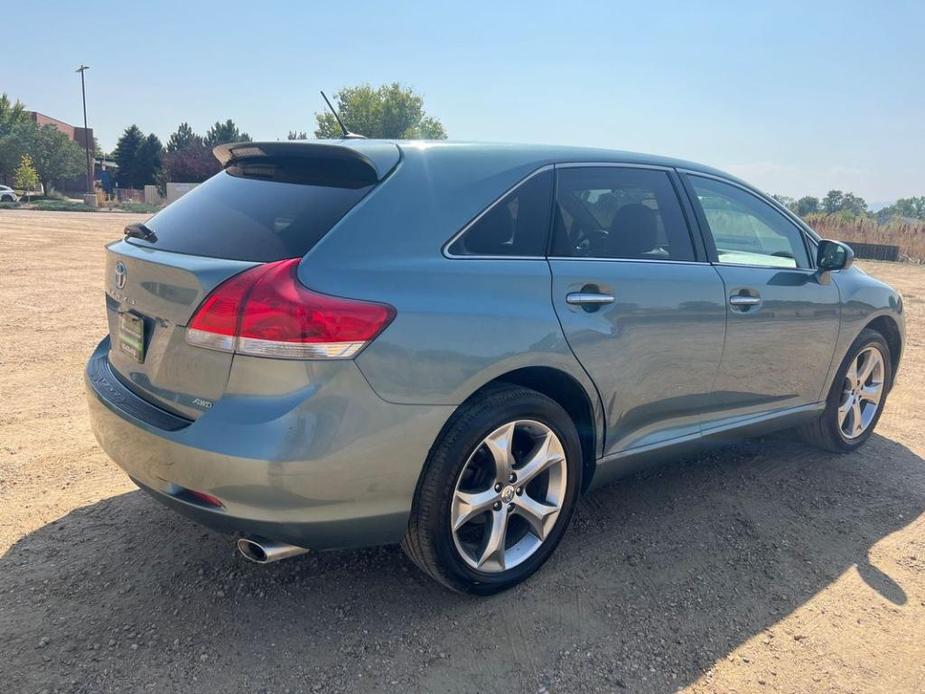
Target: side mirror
[(834, 255)]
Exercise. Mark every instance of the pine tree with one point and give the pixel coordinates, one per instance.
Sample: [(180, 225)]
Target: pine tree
[(183, 138), (126, 156), (223, 133)]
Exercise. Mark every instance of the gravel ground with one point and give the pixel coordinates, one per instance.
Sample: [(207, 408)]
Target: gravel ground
[(765, 566)]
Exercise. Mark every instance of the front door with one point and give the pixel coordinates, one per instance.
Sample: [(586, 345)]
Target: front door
[(643, 313), (783, 317)]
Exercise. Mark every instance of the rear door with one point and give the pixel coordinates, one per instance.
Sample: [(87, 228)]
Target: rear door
[(783, 318), (150, 296), (641, 308)]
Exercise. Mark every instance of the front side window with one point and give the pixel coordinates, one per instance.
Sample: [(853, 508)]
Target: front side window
[(613, 212), (517, 225), (746, 230)]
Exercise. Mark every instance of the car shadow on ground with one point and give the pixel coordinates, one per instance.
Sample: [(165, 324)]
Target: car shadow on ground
[(661, 575)]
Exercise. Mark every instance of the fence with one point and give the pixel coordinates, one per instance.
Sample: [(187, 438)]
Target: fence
[(875, 251), (129, 195)]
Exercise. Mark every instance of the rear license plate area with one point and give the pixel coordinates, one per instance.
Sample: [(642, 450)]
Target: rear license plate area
[(132, 336)]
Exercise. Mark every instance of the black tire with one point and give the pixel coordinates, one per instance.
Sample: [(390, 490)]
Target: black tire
[(824, 432), (6, 198), (429, 539)]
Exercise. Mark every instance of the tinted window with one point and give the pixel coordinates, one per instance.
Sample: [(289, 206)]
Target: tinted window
[(245, 218), (746, 230), (612, 212), (517, 225)]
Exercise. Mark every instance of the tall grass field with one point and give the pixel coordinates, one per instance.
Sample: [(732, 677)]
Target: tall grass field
[(909, 235)]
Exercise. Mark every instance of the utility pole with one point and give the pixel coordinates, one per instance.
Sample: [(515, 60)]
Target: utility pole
[(83, 93)]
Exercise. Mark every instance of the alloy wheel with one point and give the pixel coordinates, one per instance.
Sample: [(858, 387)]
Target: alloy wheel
[(861, 393), (508, 496)]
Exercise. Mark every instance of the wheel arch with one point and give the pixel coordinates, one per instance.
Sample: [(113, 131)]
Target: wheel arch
[(572, 396), (887, 326)]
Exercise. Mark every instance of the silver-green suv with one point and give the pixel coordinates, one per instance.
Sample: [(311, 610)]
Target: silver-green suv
[(337, 344)]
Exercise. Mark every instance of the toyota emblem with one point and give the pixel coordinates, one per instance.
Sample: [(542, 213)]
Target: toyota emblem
[(120, 274)]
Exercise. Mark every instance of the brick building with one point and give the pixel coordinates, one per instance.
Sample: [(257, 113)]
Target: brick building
[(78, 135)]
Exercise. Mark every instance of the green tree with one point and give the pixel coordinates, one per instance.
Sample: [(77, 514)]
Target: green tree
[(26, 177), (853, 205), (13, 145), (55, 155), (126, 156), (807, 205), (846, 204), (297, 135), (389, 111), (148, 161), (138, 157), (224, 133), (832, 201), (183, 138), (11, 115), (913, 207), (17, 129), (786, 201)]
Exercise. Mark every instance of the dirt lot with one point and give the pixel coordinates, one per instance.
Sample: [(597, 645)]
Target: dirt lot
[(767, 566)]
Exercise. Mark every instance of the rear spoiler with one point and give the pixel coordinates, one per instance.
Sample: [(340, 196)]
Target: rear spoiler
[(379, 158)]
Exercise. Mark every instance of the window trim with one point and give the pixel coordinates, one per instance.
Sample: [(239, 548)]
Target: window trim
[(802, 229), (445, 250), (697, 227)]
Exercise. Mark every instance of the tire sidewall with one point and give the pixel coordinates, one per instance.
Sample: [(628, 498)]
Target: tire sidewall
[(454, 451)]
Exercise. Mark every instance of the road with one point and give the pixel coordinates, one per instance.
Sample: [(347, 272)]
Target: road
[(767, 566)]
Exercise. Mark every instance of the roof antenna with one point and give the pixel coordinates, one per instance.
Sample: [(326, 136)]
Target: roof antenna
[(347, 134)]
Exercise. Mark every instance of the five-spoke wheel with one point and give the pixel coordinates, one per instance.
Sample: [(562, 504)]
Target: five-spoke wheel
[(497, 492), (508, 495), (856, 397), (861, 392)]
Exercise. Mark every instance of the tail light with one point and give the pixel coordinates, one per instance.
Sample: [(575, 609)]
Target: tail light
[(266, 312)]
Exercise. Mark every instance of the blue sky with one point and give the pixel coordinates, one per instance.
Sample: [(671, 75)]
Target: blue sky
[(796, 97)]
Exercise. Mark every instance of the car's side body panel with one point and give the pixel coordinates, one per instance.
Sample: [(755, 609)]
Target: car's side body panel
[(863, 300), (492, 316), (654, 352), (777, 353), (460, 323)]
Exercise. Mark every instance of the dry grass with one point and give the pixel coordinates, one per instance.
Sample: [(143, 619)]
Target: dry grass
[(909, 236)]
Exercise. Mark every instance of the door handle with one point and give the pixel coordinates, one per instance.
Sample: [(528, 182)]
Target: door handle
[(588, 298), (740, 300)]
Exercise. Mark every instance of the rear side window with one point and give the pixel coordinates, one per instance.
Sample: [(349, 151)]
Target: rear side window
[(517, 225), (254, 215), (613, 212)]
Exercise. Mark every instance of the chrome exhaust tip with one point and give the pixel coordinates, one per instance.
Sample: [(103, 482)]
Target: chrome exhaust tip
[(262, 551)]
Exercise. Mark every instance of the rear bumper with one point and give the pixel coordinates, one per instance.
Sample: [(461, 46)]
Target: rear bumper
[(324, 463)]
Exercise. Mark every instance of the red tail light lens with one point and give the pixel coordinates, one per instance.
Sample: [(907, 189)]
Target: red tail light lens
[(266, 312)]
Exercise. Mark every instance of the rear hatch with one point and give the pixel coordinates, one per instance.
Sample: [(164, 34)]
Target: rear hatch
[(272, 201)]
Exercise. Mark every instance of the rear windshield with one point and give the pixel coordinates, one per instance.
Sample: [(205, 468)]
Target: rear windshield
[(244, 218)]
